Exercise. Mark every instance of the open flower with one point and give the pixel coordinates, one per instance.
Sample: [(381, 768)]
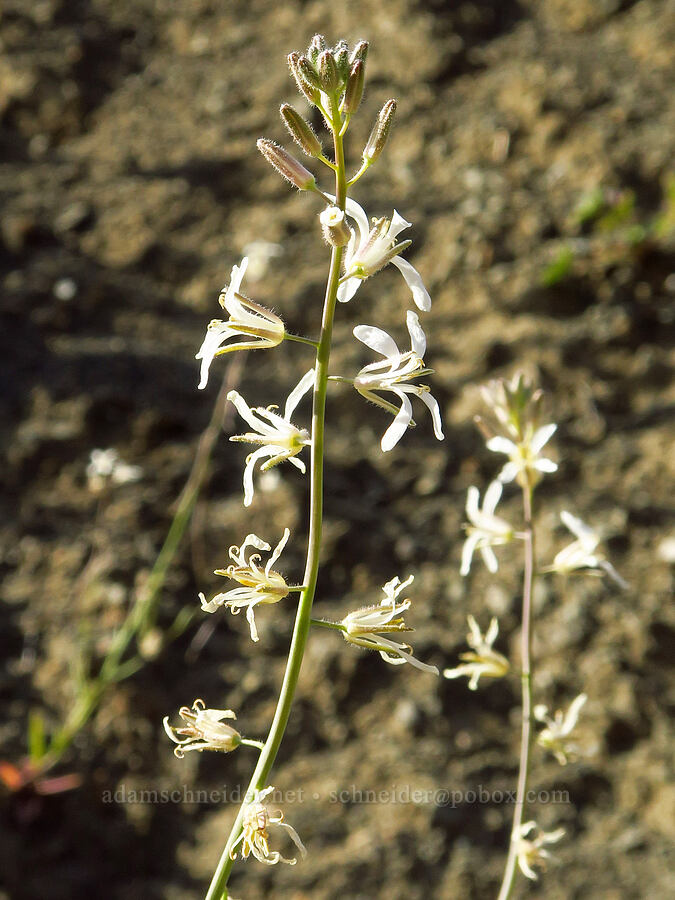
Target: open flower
[(486, 529), (558, 729), (372, 248), (525, 461), (582, 553), (261, 327), (278, 437), (204, 729), (482, 660), (365, 627), (254, 838), (395, 373), (258, 585), (531, 852)]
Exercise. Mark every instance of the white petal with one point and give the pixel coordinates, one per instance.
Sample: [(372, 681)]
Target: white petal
[(298, 392), (278, 550), (248, 473), (398, 224), (509, 472), (492, 632), (214, 338), (545, 465), (489, 559), (237, 275), (491, 499), (501, 445), (358, 213), (348, 288), (418, 341), (467, 553), (542, 436), (588, 538), (432, 404), (572, 716), (251, 621), (399, 426), (377, 340), (414, 281), (472, 498)]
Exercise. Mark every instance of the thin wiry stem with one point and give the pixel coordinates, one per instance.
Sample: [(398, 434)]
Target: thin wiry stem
[(526, 681), (259, 779)]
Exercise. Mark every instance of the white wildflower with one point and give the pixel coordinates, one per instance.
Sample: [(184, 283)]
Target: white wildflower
[(532, 852), (106, 466), (482, 661), (254, 838), (558, 729), (372, 248), (259, 586), (279, 439), (486, 530), (582, 553), (395, 373), (365, 627), (259, 326), (204, 730), (525, 462)]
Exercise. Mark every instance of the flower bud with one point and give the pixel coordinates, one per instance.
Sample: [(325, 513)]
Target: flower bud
[(310, 93), (341, 56), (309, 73), (287, 165), (328, 72), (316, 46), (300, 131), (335, 230), (380, 133), (359, 52), (354, 89)]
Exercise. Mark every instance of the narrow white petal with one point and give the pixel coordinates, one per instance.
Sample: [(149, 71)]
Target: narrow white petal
[(542, 436), (298, 392), (572, 716), (501, 445), (298, 463), (214, 338), (491, 499), (545, 465), (418, 341), (489, 559), (251, 621), (472, 498), (414, 281), (348, 288), (377, 339), (399, 426), (509, 472), (252, 540), (237, 275), (358, 213), (467, 553), (248, 473), (398, 224), (492, 632), (432, 404), (278, 550)]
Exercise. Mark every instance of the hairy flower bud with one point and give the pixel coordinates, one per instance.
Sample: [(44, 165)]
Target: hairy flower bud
[(300, 131), (334, 227), (360, 52), (341, 56), (309, 73), (328, 72), (310, 93), (316, 46), (380, 133), (354, 89), (287, 165)]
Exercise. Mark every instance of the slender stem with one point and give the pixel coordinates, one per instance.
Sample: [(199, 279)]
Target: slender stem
[(301, 340), (526, 682), (362, 171), (259, 779)]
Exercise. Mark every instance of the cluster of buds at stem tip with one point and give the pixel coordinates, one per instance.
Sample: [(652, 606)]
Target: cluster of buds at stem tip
[(330, 72)]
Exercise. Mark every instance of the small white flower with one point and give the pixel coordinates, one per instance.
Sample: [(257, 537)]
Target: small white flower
[(582, 553), (558, 729), (204, 730), (525, 462), (372, 249), (259, 586), (254, 838), (395, 373), (261, 327), (105, 466), (483, 660), (486, 529), (531, 852), (278, 437), (365, 627)]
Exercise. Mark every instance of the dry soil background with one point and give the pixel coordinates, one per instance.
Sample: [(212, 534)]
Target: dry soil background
[(130, 185)]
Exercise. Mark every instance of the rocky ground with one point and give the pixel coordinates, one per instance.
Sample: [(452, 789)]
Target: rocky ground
[(533, 153)]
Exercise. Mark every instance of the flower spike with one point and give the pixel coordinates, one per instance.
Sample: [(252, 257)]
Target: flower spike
[(260, 327), (394, 373), (279, 439)]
